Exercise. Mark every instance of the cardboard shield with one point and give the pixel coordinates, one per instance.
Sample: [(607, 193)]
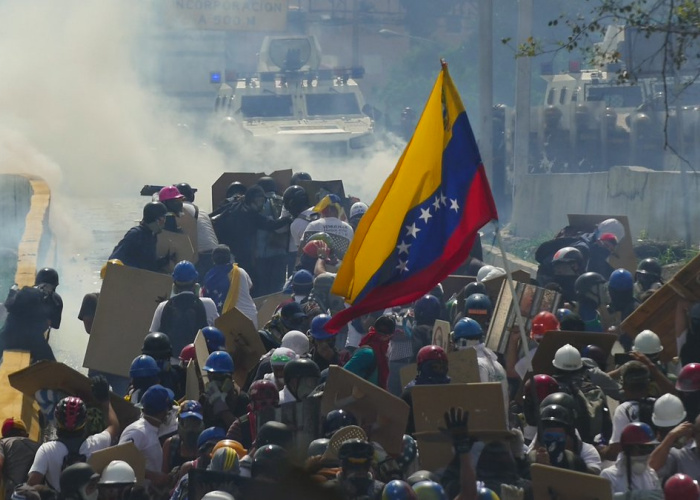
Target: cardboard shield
[(218, 190), (267, 307), (552, 341), (57, 376), (530, 298), (487, 417), (15, 402), (563, 484), (454, 283), (624, 252), (126, 452), (441, 334), (463, 368), (128, 299), (657, 313), (381, 415), (304, 418), (188, 224), (178, 246), (193, 384), (242, 342), (202, 353)]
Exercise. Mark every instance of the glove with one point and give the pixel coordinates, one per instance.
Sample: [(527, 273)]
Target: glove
[(457, 427), (510, 492), (100, 388)]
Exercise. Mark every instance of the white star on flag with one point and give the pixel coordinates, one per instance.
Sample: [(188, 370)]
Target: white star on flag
[(436, 203), (425, 214), (402, 267), (454, 205), (443, 199), (403, 247), (412, 230)]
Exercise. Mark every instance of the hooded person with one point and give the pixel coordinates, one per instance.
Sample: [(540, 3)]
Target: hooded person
[(432, 370), (47, 281), (371, 361), (27, 321), (138, 247)]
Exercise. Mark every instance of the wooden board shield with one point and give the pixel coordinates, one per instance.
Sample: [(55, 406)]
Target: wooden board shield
[(382, 415), (242, 342), (454, 283), (201, 354), (126, 452), (657, 313), (463, 368), (563, 484), (57, 376), (624, 252), (193, 386), (128, 299), (269, 305), (552, 341), (441, 334), (487, 417), (218, 190), (531, 299), (14, 403), (494, 285), (178, 246)]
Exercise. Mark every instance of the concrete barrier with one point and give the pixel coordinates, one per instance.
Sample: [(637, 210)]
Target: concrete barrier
[(652, 200)]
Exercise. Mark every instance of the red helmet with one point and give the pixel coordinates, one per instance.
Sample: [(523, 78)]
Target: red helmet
[(689, 378), (431, 353), (263, 394), (544, 386), (637, 433), (681, 487), (188, 353), (543, 322), (71, 414)]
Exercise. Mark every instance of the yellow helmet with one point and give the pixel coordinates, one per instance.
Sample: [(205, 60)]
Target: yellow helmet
[(103, 271)]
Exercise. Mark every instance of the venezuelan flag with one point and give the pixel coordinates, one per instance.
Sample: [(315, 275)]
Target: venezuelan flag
[(424, 220)]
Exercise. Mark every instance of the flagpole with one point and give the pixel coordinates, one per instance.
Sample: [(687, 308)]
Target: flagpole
[(511, 285)]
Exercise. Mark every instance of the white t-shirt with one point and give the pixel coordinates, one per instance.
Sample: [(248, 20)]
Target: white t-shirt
[(297, 228), (341, 233), (626, 413), (209, 308), (644, 486), (49, 457), (144, 435), (490, 370), (286, 396), (245, 302), (206, 237)]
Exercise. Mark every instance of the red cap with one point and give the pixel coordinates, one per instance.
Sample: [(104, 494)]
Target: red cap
[(170, 193), (11, 424)]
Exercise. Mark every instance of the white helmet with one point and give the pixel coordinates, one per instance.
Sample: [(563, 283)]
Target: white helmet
[(358, 208), (218, 495), (567, 358), (668, 411), (613, 226), (281, 356), (647, 342), (483, 272), (118, 472), (296, 341), (495, 273)]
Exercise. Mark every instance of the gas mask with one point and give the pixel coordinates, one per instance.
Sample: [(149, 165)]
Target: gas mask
[(555, 442), (189, 429), (638, 464), (89, 491)]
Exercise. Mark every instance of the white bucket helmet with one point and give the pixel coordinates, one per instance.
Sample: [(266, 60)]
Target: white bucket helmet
[(613, 226), (567, 358), (218, 495), (668, 411), (118, 472), (647, 342), (296, 341), (483, 272)]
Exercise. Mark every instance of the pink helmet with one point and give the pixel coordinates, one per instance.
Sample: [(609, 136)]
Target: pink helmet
[(170, 193)]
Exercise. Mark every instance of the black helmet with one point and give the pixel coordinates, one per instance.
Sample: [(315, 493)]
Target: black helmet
[(337, 419), (275, 433), (186, 191), (561, 399), (153, 211), (235, 188), (269, 461), (422, 475), (650, 266), (47, 275), (299, 368), (590, 286), (295, 199), (556, 414), (568, 255), (317, 447), (74, 478), (157, 345), (268, 184), (357, 450), (299, 176), (474, 287)]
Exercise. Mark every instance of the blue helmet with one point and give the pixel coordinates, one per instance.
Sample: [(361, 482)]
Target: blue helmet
[(398, 490), (478, 304), (426, 309), (184, 272), (486, 494), (219, 362), (562, 313), (190, 408), (144, 366), (318, 330), (621, 279), (214, 337), (469, 329), (429, 490), (210, 435)]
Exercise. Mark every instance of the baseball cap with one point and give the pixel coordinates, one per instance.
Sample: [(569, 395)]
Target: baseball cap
[(11, 424), (157, 399), (170, 193), (292, 310)]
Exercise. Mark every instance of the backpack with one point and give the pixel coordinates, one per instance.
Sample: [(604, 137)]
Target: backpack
[(183, 316), (644, 411), (593, 416), (74, 456)]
